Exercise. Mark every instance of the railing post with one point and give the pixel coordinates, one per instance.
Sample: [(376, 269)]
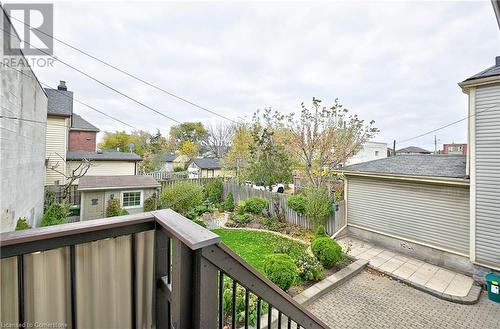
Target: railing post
[(205, 293), (162, 264), (182, 285)]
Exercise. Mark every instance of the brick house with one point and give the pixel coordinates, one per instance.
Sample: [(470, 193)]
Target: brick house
[(455, 149)]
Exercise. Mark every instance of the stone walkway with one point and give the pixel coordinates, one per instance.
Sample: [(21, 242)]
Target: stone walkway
[(430, 277), (370, 300)]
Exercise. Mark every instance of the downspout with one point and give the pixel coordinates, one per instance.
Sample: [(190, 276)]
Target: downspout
[(496, 8)]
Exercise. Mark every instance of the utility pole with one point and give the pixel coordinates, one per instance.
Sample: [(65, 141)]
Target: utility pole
[(435, 145), (394, 148)]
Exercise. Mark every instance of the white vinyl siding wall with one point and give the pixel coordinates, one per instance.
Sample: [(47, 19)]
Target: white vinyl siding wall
[(487, 154), (105, 168), (56, 146), (435, 215)]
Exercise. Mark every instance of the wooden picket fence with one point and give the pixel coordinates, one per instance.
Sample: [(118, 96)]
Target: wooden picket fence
[(165, 175), (242, 192)]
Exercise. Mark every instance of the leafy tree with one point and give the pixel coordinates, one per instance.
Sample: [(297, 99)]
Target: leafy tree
[(236, 158), (193, 132), (117, 140), (269, 162), (189, 149), (323, 138)]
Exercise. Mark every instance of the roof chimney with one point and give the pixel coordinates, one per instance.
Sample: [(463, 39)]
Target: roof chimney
[(497, 61), (62, 85)]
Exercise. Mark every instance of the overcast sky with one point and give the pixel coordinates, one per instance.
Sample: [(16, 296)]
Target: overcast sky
[(396, 63)]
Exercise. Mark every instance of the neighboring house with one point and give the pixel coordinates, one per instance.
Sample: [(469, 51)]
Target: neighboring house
[(132, 190), (104, 162), (169, 162), (454, 149), (71, 139), (412, 150), (204, 167), (23, 107), (421, 199), (369, 151), (443, 209), (483, 161)]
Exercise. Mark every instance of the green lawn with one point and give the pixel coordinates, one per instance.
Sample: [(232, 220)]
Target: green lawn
[(254, 246)]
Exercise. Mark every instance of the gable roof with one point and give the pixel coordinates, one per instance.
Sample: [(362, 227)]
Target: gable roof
[(449, 166), (60, 102), (116, 182), (169, 157), (102, 156), (80, 124), (207, 163), (413, 149)]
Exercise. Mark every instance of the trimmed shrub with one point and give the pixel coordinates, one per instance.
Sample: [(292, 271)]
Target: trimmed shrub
[(22, 224), (213, 191), (113, 208), (242, 219), (272, 223), (124, 212), (321, 232), (182, 197), (55, 214), (327, 251), (151, 203), (309, 268), (255, 205), (280, 269), (240, 304), (229, 202), (178, 169), (319, 205), (240, 210), (297, 203)]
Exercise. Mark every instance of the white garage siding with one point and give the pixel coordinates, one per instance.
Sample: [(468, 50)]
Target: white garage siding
[(487, 152), (435, 215)]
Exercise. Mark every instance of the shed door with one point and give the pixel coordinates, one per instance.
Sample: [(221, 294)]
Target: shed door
[(437, 215)]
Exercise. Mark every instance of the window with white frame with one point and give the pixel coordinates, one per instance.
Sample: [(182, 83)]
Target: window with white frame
[(131, 199)]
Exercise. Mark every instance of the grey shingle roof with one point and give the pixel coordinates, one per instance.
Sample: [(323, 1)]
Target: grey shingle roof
[(207, 163), (450, 166), (489, 72), (60, 102), (169, 157), (80, 123), (104, 156), (116, 182), (413, 149)]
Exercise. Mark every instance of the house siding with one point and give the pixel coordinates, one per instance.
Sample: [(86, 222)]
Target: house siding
[(55, 151), (487, 175), (434, 215), (105, 168)]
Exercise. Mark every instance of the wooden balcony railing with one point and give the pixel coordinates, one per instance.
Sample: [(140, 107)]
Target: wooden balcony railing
[(162, 270)]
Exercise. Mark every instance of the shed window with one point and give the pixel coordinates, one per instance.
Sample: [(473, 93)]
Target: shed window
[(131, 199)]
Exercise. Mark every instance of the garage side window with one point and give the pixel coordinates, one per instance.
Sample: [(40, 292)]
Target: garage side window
[(131, 199)]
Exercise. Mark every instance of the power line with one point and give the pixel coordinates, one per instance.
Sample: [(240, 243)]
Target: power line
[(74, 99), (150, 84), (102, 83), (449, 124), (31, 120)]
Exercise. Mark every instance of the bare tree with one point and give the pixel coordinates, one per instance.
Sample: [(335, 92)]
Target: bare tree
[(218, 139), (76, 173)]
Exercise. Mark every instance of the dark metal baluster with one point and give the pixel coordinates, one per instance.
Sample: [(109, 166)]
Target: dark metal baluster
[(270, 317), (72, 269), (20, 289), (133, 280), (221, 299), (258, 312), (233, 306), (247, 301), (279, 319), (289, 323)]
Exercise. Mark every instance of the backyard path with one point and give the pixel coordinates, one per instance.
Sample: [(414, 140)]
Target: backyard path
[(374, 301)]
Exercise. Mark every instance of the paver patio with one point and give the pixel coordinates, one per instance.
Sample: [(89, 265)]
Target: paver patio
[(415, 271), (374, 301)]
